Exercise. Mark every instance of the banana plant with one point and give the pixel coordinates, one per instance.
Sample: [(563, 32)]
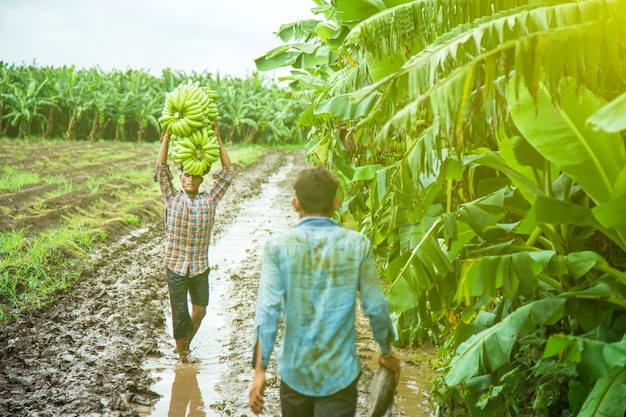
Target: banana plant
[(593, 161), (74, 96), (25, 103), (5, 74), (103, 88), (148, 101), (462, 132)]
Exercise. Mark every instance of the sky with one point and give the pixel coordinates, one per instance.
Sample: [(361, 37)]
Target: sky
[(190, 35)]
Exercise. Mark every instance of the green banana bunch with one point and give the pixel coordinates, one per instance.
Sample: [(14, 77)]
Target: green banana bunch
[(187, 108), (196, 152), (188, 115)]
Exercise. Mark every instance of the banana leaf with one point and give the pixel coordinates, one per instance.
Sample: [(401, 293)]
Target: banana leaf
[(593, 159), (607, 396), (610, 118), (346, 107), (601, 361), (492, 348)]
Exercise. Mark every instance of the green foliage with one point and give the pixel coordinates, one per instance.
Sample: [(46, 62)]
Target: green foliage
[(480, 145), (13, 180), (71, 103)]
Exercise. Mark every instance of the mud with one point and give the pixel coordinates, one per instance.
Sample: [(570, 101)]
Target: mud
[(105, 349)]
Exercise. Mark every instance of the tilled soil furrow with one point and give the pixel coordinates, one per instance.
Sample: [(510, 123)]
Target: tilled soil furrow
[(83, 354)]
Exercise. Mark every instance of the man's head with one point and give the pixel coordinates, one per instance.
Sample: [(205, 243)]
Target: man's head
[(190, 183), (316, 190)]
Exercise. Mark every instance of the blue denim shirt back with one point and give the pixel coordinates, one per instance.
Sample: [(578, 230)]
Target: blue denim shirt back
[(313, 275)]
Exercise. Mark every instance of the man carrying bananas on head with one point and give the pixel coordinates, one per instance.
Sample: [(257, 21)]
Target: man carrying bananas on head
[(189, 216)]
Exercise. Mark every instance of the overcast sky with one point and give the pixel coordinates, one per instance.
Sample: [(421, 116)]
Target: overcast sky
[(190, 35)]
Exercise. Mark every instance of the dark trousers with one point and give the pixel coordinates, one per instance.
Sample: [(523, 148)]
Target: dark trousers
[(180, 287), (340, 404)]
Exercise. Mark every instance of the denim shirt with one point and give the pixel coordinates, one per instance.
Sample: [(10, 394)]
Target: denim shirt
[(312, 275)]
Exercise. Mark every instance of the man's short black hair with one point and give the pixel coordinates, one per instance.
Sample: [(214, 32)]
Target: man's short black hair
[(316, 189)]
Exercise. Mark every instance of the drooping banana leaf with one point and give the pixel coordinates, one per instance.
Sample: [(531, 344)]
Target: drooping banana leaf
[(492, 348), (448, 75), (594, 159), (486, 275), (346, 106)]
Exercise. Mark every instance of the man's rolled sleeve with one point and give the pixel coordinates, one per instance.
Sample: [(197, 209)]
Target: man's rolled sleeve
[(223, 180), (225, 173), (164, 177)]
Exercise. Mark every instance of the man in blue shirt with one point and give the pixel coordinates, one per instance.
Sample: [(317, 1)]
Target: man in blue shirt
[(312, 275)]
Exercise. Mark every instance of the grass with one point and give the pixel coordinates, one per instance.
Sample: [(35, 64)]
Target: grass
[(13, 180), (34, 265), (66, 186), (33, 268), (245, 156)]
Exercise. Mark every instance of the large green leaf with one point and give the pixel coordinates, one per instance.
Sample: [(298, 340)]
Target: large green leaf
[(594, 159), (357, 10), (366, 172), (579, 263), (610, 118), (279, 57), (346, 107), (611, 214), (555, 211), (490, 349), (602, 362), (607, 398), (487, 275), (593, 358)]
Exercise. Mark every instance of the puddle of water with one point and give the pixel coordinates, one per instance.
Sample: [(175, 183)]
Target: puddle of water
[(189, 389)]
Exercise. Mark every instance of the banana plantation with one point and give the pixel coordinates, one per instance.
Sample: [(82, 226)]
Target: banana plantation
[(481, 147), (90, 104)]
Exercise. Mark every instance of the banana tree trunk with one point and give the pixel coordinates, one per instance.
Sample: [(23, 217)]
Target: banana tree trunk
[(119, 132), (70, 127), (94, 128), (140, 133), (23, 128), (47, 133), (249, 136)]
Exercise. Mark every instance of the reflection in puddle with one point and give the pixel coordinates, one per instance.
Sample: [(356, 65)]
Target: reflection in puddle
[(186, 399)]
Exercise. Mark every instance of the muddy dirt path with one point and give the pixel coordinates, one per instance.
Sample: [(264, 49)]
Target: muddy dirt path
[(105, 349)]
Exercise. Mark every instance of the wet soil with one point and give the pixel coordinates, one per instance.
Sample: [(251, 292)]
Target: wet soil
[(104, 348)]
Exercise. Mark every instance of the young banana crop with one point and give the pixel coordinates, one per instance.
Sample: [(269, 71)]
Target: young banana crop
[(188, 116)]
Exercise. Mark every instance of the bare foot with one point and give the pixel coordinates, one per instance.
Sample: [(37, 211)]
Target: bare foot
[(182, 348)]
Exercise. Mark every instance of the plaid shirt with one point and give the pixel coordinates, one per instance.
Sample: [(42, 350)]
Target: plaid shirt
[(188, 223)]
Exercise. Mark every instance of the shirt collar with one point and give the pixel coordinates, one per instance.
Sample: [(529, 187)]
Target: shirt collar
[(316, 221)]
